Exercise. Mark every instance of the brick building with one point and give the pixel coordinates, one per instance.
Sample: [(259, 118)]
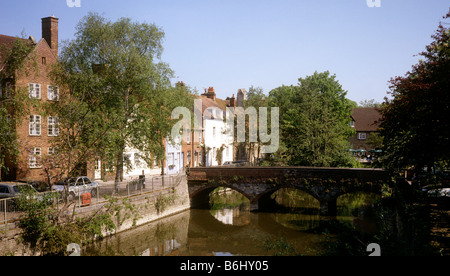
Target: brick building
[(365, 121), (35, 131)]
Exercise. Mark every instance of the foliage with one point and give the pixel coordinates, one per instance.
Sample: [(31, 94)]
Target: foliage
[(162, 202), (48, 228), (315, 117), (278, 246), (16, 60), (115, 94), (415, 123)]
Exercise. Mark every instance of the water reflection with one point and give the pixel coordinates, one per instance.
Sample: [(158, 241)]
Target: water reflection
[(229, 228), (229, 207)]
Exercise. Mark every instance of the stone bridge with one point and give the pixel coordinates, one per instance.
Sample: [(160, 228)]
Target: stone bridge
[(259, 183)]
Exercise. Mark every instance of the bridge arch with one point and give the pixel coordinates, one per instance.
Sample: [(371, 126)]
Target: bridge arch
[(266, 202), (200, 199)]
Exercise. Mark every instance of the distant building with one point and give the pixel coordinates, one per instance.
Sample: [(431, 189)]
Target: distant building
[(366, 122), (217, 141)]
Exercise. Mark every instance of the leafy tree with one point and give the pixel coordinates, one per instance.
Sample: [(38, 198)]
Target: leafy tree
[(16, 59), (415, 123), (118, 93), (369, 103), (250, 148), (315, 117)]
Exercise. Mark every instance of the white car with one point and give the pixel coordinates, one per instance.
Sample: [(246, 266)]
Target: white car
[(439, 193), (77, 186)]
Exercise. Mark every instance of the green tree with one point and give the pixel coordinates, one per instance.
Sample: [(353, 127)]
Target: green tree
[(314, 121), (118, 92), (16, 60)]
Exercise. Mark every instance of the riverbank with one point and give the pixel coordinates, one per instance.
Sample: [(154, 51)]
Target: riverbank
[(147, 207)]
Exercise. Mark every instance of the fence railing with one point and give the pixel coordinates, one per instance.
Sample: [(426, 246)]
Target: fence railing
[(10, 212)]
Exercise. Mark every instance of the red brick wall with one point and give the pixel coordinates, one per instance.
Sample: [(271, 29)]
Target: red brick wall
[(24, 172)]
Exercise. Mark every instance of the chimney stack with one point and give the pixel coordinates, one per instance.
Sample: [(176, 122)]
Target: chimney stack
[(211, 94), (233, 101), (50, 32)]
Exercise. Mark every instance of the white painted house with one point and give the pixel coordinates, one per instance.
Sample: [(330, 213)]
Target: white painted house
[(217, 139), (174, 161)]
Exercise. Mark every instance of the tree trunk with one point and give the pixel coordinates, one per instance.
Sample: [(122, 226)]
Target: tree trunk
[(119, 170)]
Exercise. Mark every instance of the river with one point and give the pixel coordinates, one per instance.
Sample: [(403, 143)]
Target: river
[(228, 228)]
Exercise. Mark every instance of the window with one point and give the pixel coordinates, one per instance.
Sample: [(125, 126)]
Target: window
[(35, 90), (352, 123), (188, 136), (44, 60), (362, 136), (53, 126), (52, 151), (214, 132), (9, 125), (35, 153), (4, 190), (35, 125), (172, 158), (5, 91), (53, 93)]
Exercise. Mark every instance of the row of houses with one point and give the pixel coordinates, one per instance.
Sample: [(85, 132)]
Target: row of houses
[(209, 145)]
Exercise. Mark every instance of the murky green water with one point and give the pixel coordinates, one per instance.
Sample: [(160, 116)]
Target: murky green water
[(229, 228)]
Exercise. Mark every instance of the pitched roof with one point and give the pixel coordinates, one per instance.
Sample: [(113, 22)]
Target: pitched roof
[(6, 43), (366, 119)]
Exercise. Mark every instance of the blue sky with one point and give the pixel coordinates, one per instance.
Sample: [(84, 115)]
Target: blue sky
[(234, 44)]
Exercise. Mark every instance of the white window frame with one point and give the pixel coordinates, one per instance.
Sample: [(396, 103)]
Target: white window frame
[(52, 151), (33, 161), (52, 92), (362, 136), (5, 92), (52, 126), (35, 125), (188, 136), (35, 90)]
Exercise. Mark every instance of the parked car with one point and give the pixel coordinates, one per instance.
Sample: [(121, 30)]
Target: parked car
[(236, 163), (12, 190), (77, 186), (439, 192)]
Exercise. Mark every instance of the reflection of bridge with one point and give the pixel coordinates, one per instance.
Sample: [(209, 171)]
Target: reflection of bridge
[(258, 183)]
